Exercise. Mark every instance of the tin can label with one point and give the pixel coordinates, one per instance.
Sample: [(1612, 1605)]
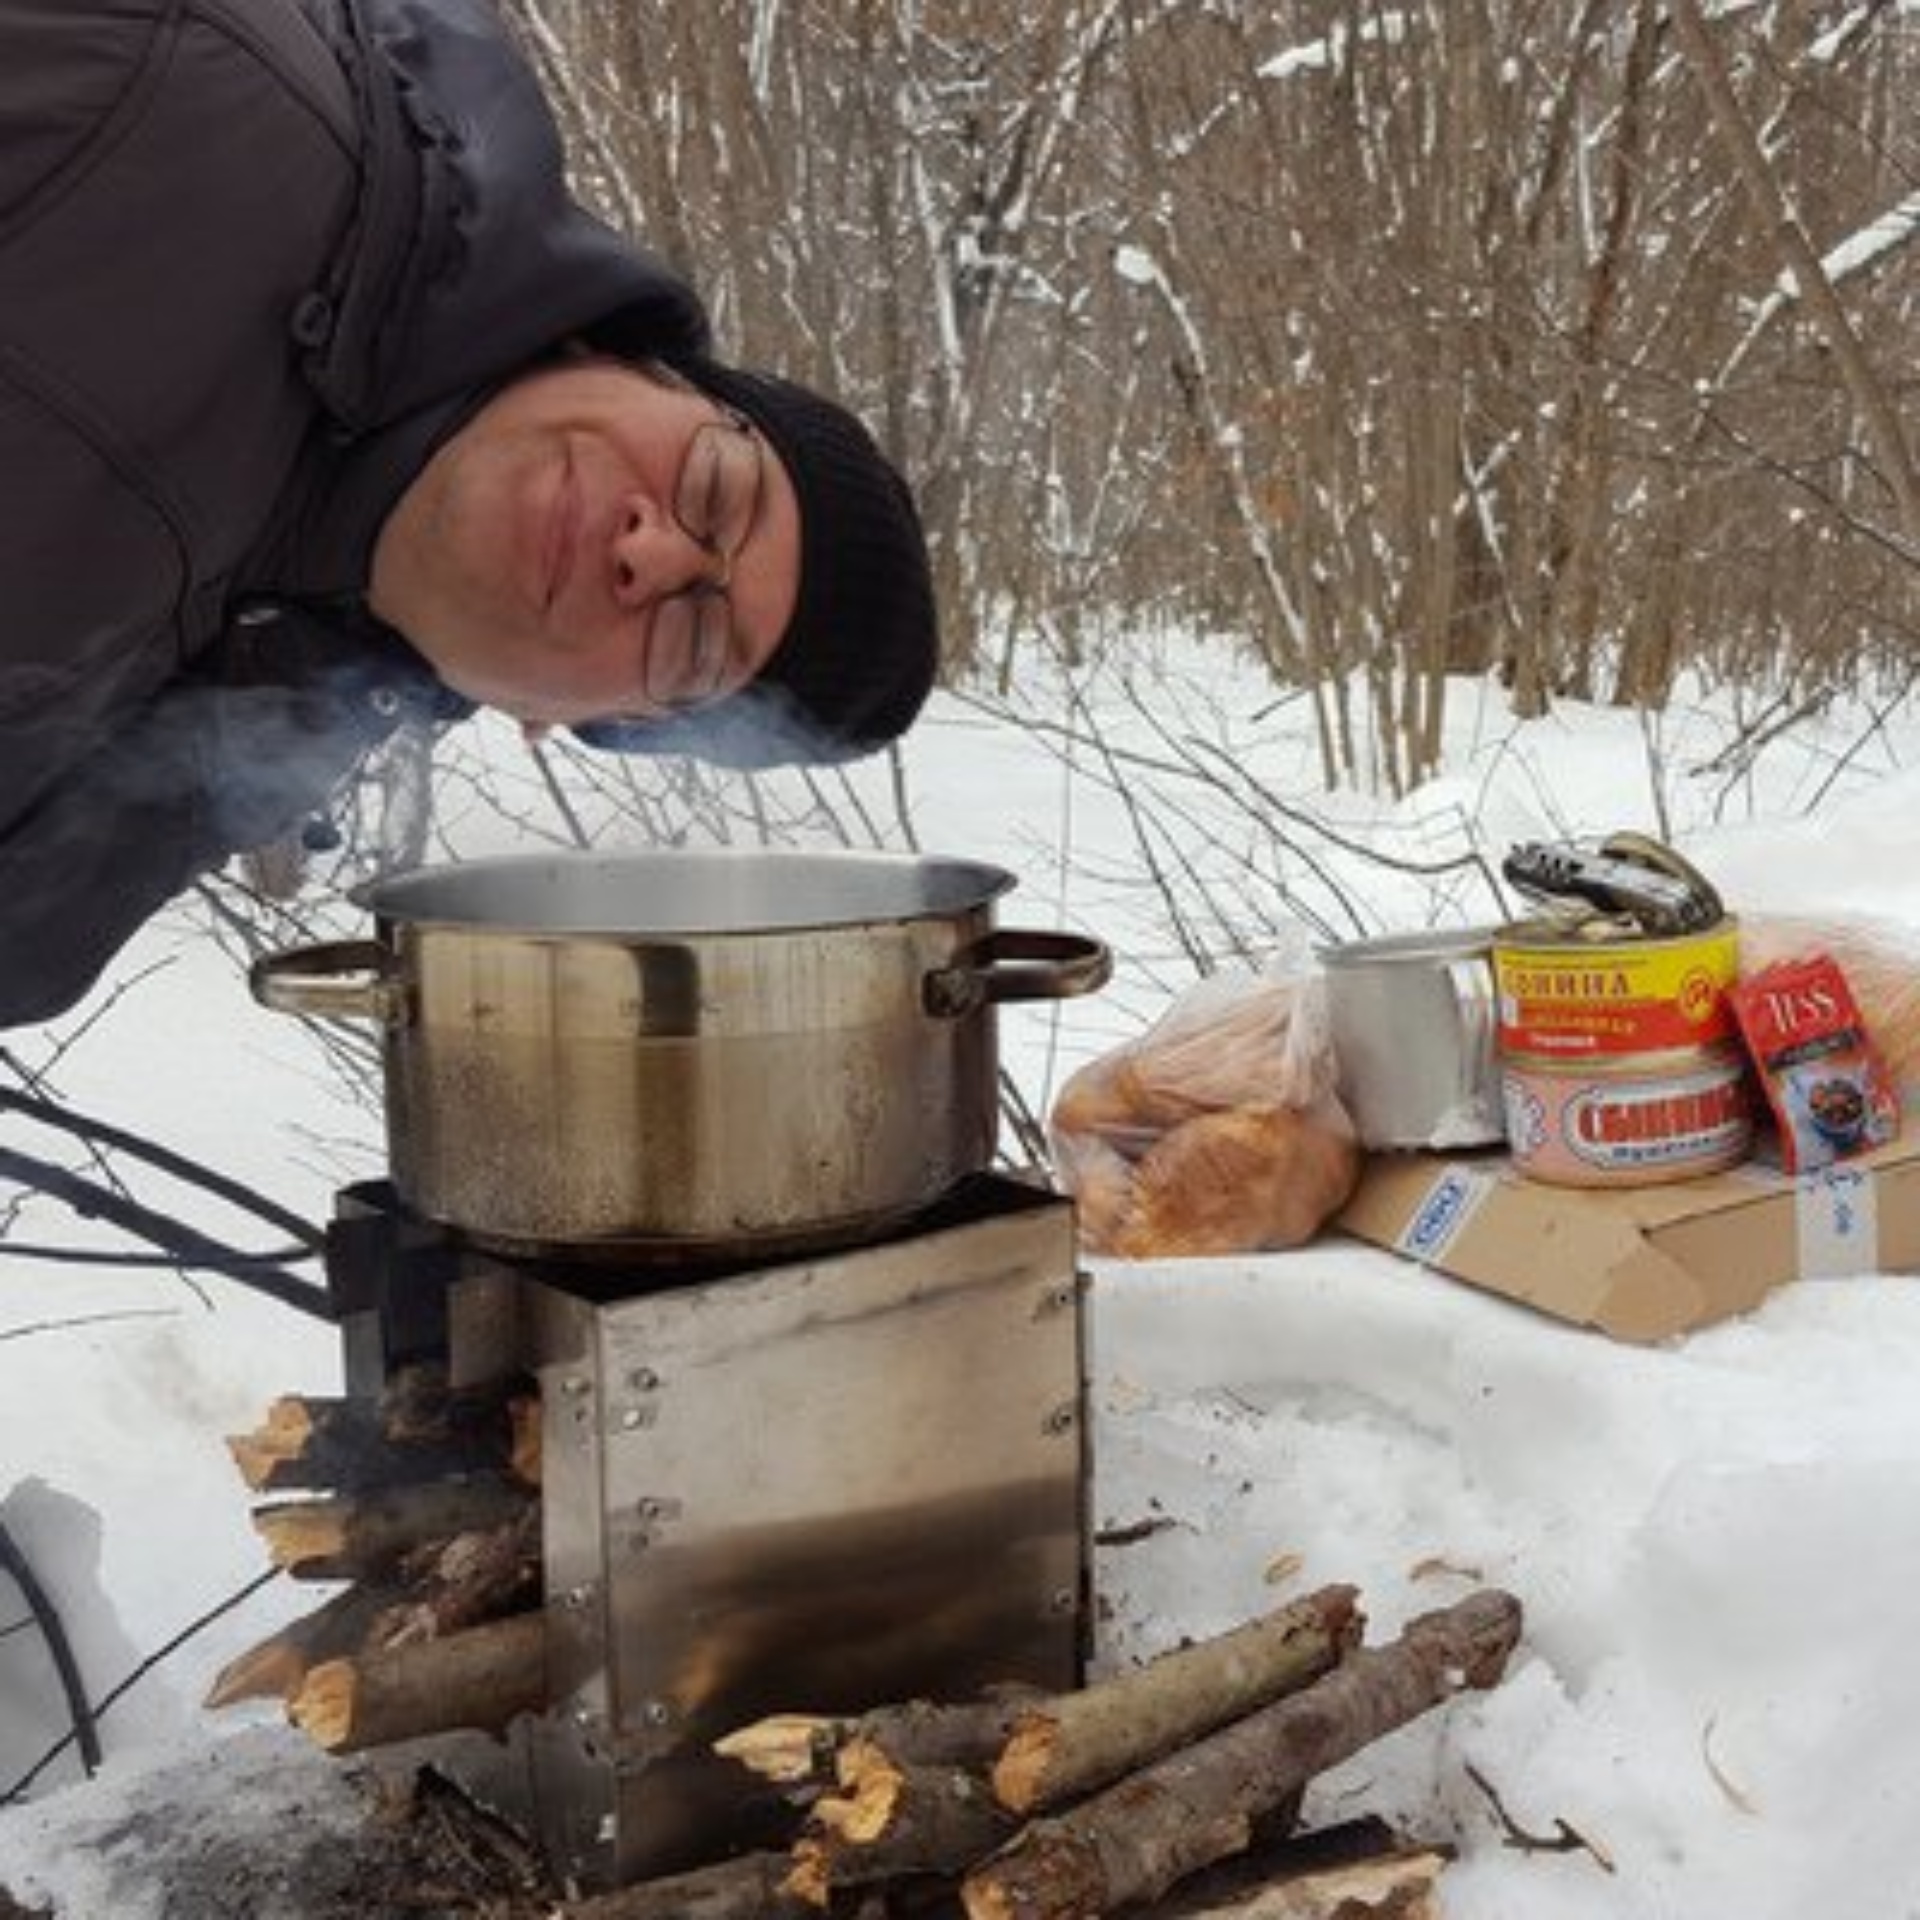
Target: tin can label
[(1577, 1000), (1595, 1128)]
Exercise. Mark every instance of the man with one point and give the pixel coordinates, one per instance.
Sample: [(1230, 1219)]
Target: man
[(322, 406)]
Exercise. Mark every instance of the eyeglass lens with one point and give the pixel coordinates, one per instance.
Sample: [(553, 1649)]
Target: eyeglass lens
[(715, 503), (719, 488)]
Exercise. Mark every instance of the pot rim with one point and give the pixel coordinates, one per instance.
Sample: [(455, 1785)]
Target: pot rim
[(722, 892)]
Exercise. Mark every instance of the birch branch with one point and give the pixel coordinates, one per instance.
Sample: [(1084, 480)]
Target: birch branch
[(1800, 257)]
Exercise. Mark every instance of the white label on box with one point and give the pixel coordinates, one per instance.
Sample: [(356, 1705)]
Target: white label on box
[(1444, 1209), (1838, 1222)]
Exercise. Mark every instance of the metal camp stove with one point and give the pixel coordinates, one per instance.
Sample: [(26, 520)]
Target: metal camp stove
[(825, 1482)]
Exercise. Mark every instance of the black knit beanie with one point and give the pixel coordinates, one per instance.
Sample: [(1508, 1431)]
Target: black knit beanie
[(859, 656)]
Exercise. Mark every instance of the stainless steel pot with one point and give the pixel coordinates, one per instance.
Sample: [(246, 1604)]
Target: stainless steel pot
[(703, 1052), (1413, 1035)]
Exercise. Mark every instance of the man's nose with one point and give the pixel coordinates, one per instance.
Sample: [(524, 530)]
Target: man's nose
[(655, 556)]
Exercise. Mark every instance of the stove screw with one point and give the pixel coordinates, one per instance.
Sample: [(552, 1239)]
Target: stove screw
[(1063, 1600), (643, 1379), (656, 1713), (1061, 1420)]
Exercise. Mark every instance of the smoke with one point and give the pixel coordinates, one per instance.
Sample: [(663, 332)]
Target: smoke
[(112, 826)]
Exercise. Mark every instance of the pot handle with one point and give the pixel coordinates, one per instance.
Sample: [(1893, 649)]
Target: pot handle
[(320, 981), (1018, 963)]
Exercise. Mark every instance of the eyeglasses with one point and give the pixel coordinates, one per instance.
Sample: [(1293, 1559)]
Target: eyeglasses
[(715, 503)]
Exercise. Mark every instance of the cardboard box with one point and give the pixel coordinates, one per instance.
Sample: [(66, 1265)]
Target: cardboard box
[(1643, 1263)]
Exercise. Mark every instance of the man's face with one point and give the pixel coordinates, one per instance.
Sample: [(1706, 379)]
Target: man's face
[(594, 544)]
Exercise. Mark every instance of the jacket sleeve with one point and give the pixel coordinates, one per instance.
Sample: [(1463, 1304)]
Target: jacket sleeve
[(210, 767)]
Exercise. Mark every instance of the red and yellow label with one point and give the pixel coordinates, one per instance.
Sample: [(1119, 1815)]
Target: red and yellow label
[(1572, 999)]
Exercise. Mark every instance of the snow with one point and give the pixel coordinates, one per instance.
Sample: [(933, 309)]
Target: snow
[(1713, 1539), (1714, 1691), (1330, 54), (187, 1816)]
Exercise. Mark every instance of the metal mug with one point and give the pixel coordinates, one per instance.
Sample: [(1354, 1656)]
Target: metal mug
[(1413, 1022)]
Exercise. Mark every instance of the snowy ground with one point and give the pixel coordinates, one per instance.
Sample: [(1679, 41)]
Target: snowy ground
[(1712, 1539)]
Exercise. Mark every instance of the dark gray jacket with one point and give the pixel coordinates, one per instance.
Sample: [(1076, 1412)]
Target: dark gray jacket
[(257, 258)]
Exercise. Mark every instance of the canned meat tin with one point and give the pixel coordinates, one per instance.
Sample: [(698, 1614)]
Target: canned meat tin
[(1564, 997), (1628, 1122)]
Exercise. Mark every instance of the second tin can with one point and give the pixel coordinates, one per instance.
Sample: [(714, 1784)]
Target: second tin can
[(1565, 995), (1628, 1122)]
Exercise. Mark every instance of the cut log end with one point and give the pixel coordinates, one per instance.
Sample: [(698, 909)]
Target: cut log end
[(1025, 1762), (479, 1679), (357, 1536), (786, 1748), (301, 1531), (1485, 1628), (872, 1786), (322, 1706), (270, 1671), (523, 1452), (282, 1436), (275, 1667), (811, 1877)]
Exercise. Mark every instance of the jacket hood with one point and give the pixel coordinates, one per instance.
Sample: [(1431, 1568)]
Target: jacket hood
[(467, 260)]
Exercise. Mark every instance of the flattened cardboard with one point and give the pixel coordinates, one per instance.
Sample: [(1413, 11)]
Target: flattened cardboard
[(1642, 1263)]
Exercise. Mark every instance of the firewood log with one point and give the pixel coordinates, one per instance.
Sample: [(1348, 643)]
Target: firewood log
[(363, 1536), (897, 1821), (479, 1679), (1403, 1885), (793, 1748), (1067, 1746), (1078, 1738), (1359, 1870), (747, 1888), (275, 1667), (526, 1437), (417, 1430), (1133, 1841), (441, 1590), (463, 1581), (787, 1748), (1400, 1888)]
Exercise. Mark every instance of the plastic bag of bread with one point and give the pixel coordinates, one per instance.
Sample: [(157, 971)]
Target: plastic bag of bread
[(1881, 960), (1217, 1131)]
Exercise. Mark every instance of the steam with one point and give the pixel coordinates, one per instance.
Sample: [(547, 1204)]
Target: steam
[(760, 727)]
